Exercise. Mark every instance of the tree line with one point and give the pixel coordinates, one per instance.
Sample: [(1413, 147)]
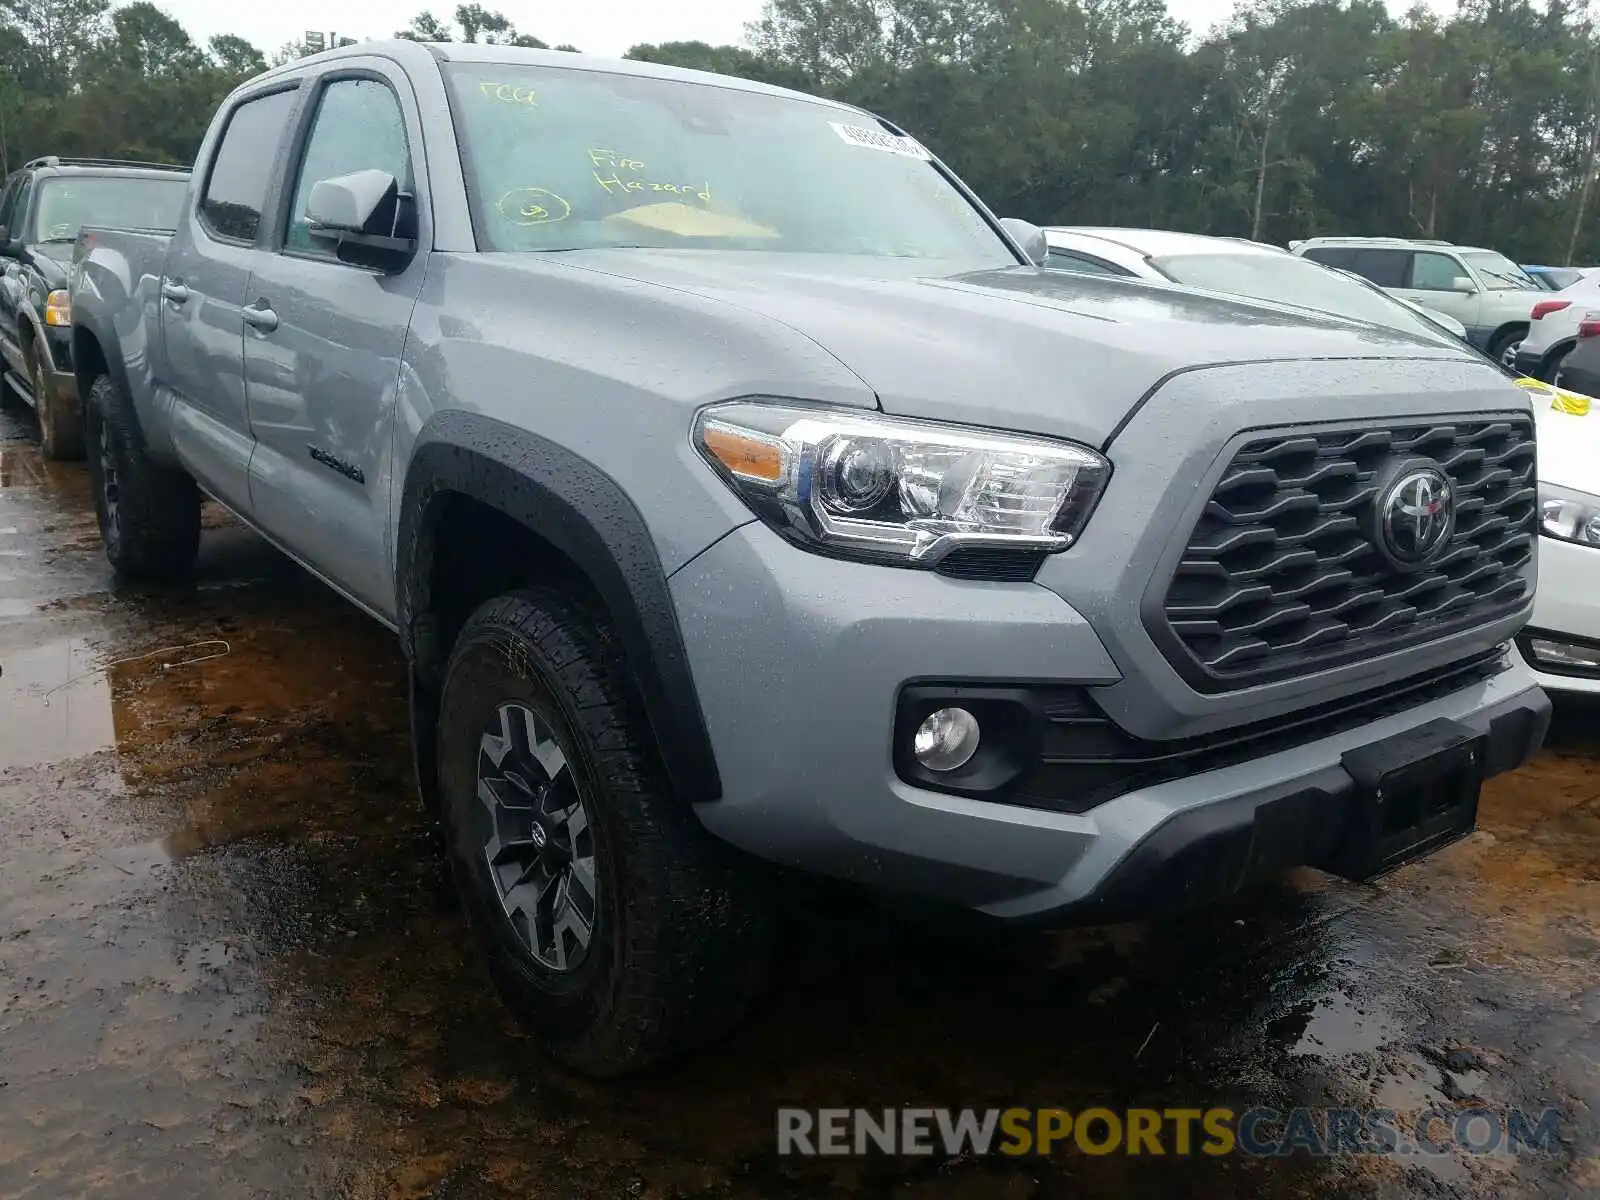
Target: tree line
[(1297, 117)]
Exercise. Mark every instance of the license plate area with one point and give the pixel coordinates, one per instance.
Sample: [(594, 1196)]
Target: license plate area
[(1414, 793)]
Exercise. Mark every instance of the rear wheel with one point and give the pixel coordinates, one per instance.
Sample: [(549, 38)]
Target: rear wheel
[(1551, 373), (149, 514), (60, 436), (617, 927)]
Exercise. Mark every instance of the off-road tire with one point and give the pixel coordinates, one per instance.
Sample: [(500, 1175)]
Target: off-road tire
[(149, 514), (679, 940), (60, 436)]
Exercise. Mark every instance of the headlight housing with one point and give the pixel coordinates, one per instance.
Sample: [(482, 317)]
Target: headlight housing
[(1568, 515), (900, 491), (58, 308)]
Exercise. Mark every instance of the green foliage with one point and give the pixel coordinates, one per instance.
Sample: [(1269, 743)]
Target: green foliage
[(1297, 117), (79, 79), (478, 24)]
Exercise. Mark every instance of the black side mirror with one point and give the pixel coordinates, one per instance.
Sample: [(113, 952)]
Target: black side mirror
[(8, 248), (370, 221), (1030, 237)]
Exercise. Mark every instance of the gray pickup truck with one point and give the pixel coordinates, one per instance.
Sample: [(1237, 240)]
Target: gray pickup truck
[(739, 489)]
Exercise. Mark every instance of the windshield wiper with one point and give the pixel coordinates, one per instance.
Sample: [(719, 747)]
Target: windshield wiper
[(1517, 280)]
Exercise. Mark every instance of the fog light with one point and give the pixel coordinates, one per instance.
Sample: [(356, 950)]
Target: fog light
[(946, 740), (1546, 653)]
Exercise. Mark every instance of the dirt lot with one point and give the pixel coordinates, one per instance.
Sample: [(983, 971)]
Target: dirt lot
[(230, 963)]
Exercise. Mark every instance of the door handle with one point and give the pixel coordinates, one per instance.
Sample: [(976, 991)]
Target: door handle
[(260, 316), (173, 292)]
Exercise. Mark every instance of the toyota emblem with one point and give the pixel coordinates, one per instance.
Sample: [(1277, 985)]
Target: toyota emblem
[(1417, 515)]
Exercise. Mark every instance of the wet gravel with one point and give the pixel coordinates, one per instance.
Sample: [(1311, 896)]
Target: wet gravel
[(231, 964)]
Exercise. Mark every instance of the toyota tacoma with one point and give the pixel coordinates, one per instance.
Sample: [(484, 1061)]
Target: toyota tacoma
[(739, 489)]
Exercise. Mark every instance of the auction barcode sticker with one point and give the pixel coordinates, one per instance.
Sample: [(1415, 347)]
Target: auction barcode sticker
[(880, 139)]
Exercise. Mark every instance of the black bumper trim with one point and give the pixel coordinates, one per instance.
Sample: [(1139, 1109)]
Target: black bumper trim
[(1207, 853)]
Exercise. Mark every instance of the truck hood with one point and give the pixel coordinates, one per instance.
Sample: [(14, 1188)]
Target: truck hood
[(1043, 351), (52, 260)]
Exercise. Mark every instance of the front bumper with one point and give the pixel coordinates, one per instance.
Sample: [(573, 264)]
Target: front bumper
[(1566, 610), (798, 661)]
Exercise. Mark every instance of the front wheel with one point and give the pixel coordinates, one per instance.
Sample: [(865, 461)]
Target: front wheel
[(149, 514), (1504, 348), (616, 926)]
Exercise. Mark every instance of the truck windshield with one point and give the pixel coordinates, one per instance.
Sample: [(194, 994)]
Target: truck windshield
[(560, 159), (67, 203)]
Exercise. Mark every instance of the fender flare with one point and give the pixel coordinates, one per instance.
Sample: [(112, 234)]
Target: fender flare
[(1503, 329), (84, 326), (29, 327), (583, 513), (1559, 347)]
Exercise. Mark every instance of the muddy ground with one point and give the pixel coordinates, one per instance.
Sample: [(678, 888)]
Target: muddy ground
[(231, 964)]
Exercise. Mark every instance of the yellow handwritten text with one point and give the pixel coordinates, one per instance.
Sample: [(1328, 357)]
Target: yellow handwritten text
[(532, 206), (510, 93), (616, 184), (610, 158)]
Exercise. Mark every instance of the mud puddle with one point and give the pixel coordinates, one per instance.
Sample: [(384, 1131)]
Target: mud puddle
[(230, 963)]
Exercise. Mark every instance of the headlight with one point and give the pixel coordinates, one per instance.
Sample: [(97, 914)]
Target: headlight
[(1570, 516), (58, 308), (896, 490)]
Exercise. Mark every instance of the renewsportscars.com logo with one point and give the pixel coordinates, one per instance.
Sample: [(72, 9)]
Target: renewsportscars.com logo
[(1259, 1132)]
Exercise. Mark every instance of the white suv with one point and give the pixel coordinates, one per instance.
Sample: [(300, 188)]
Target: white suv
[(1554, 330), (1483, 289)]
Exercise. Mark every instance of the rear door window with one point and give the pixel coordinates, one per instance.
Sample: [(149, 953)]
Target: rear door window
[(1386, 268), (1331, 256), (241, 170)]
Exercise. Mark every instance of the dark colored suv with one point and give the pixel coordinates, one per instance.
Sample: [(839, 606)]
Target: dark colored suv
[(42, 207)]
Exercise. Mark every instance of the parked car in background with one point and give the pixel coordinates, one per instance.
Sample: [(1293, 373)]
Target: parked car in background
[(1553, 279), (1579, 366), (1562, 641), (1238, 267), (42, 207), (1553, 331), (716, 456), (1483, 289)]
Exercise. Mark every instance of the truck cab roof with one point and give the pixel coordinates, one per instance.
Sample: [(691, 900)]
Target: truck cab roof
[(52, 164)]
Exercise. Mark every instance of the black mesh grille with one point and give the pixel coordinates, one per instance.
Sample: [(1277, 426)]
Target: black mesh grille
[(998, 566), (1280, 576)]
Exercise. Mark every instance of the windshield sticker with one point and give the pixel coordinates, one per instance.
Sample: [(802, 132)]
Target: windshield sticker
[(880, 139), (510, 93), (532, 206)]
